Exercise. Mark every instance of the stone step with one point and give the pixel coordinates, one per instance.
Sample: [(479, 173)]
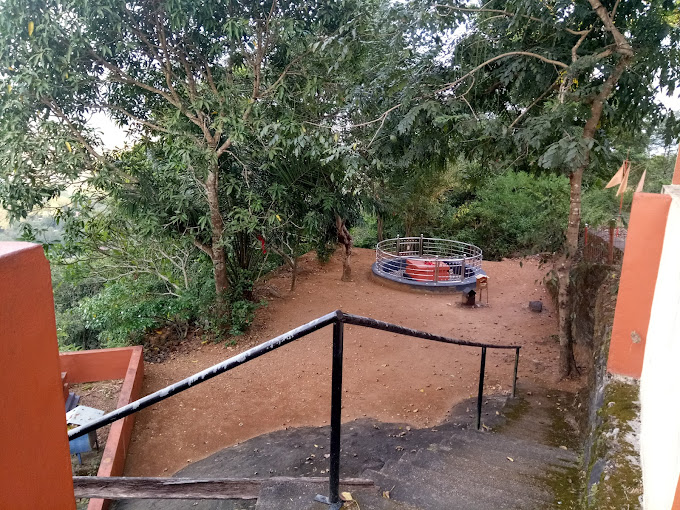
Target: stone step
[(511, 447), (500, 488), (517, 480), (447, 491), (300, 496)]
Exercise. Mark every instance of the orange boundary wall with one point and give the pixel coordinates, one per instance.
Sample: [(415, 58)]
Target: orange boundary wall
[(676, 178), (125, 363), (35, 465), (646, 231)]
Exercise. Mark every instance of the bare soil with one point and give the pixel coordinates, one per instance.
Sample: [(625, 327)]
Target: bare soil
[(387, 377)]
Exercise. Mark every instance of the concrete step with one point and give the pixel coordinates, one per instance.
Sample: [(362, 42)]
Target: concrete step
[(500, 491), (473, 441), (435, 490), (518, 481), (300, 496)]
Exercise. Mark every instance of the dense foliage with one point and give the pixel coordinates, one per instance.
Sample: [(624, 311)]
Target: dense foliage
[(259, 131)]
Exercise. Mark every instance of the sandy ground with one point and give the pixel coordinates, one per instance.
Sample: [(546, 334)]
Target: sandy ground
[(387, 377)]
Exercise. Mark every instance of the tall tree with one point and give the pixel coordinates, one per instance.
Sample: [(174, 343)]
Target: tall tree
[(545, 81), (198, 82)]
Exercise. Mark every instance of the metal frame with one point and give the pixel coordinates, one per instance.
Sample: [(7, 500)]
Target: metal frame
[(442, 261), (338, 319)]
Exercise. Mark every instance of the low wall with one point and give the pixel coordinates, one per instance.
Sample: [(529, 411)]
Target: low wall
[(125, 363), (660, 381)]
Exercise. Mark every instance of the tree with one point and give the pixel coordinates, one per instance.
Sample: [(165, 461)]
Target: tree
[(546, 81), (198, 83)]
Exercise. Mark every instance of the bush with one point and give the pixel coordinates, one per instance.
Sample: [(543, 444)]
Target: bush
[(514, 214)]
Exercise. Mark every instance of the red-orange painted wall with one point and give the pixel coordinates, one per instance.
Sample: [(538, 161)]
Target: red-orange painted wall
[(125, 363), (641, 258), (95, 365), (676, 502), (676, 174), (35, 466), (113, 459)]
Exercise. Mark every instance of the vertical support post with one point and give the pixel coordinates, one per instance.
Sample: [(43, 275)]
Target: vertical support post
[(462, 269), (420, 251), (436, 269), (514, 377), (336, 414), (398, 247), (610, 256), (480, 393)]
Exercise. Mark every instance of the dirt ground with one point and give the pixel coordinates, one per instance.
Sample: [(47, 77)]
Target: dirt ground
[(387, 377)]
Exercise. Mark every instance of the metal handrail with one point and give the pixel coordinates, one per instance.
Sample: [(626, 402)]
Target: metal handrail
[(338, 319)]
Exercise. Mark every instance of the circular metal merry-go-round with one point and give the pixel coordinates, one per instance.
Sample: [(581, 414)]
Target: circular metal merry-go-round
[(429, 263)]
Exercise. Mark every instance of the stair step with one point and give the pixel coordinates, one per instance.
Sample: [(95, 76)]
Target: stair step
[(511, 447), (518, 480), (300, 496), (448, 491), (501, 491)]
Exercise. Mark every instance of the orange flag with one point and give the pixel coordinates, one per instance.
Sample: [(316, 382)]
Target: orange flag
[(624, 182), (618, 177), (641, 184)]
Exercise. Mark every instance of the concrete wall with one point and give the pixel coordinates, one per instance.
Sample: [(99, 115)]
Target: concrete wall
[(35, 465), (646, 233), (660, 381), (125, 363)]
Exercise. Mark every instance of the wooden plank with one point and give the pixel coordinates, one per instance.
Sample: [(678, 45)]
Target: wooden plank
[(119, 487)]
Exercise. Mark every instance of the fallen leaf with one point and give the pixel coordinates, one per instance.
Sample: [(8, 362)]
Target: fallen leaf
[(510, 459), (386, 494), (563, 447), (346, 496)]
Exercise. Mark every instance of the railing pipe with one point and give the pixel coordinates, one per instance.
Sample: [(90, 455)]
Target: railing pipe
[(206, 374), (480, 393), (336, 412), (514, 377), (358, 320)]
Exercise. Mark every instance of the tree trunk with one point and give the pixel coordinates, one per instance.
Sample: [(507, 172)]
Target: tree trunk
[(219, 258), (567, 362), (293, 266), (380, 228), (346, 239)]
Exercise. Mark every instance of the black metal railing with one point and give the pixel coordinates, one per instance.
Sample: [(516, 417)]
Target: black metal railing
[(338, 319)]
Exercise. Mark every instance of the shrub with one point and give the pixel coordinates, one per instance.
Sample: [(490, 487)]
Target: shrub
[(514, 214)]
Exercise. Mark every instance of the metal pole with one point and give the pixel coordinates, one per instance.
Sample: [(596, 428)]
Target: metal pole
[(436, 269), (514, 377), (462, 269), (336, 415), (480, 394), (420, 252)]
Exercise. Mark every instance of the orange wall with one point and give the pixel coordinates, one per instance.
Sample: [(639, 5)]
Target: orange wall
[(641, 258), (125, 363), (113, 459), (35, 465), (95, 365), (676, 174)]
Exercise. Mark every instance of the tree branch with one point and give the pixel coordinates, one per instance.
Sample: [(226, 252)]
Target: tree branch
[(547, 60), (623, 47), (538, 100)]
